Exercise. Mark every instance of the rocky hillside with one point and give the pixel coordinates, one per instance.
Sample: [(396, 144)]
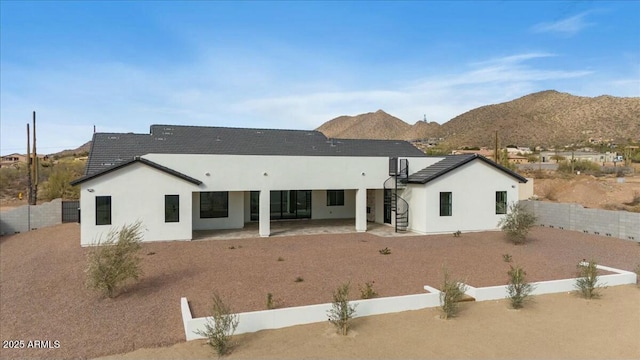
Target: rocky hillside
[(545, 118)]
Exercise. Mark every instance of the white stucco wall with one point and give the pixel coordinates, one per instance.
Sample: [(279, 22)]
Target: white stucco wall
[(137, 193), (473, 187), (246, 173), (320, 210)]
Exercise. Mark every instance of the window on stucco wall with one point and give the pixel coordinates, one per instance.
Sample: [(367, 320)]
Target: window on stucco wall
[(335, 197), (214, 204), (172, 208), (103, 210), (446, 204), (501, 202)]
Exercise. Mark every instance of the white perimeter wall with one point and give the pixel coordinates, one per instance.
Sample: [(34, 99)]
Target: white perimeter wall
[(473, 187), (137, 193)]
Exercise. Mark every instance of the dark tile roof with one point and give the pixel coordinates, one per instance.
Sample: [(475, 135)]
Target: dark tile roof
[(138, 160), (452, 162), (109, 149)]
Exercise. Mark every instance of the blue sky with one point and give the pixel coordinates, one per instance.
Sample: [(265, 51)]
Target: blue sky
[(125, 65)]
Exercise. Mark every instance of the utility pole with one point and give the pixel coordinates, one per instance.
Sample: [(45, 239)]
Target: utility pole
[(35, 164), (30, 191), (495, 150)]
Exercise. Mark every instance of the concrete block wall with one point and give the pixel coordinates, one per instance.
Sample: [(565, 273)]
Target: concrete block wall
[(17, 220), (619, 224)]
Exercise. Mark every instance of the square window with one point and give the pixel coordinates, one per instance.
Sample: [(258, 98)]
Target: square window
[(335, 197), (172, 208), (214, 204)]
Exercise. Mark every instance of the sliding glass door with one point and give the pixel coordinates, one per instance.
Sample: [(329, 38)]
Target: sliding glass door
[(288, 204)]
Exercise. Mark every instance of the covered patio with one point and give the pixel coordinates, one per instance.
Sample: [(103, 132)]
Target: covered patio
[(298, 227)]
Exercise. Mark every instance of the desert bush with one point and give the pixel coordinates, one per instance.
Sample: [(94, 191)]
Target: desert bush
[(385, 251), (584, 166), (57, 185), (451, 293), (517, 223), (342, 311), (635, 201), (115, 260), (550, 191), (588, 281), (220, 326), (367, 291), (506, 258), (518, 288), (298, 279), (457, 233), (273, 303)]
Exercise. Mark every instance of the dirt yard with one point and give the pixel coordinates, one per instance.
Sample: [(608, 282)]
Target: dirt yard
[(43, 296), (589, 191)]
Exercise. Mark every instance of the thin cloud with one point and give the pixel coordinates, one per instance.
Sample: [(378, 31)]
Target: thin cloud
[(567, 27)]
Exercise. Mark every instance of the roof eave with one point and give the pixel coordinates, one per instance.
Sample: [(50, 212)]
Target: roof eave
[(136, 160)]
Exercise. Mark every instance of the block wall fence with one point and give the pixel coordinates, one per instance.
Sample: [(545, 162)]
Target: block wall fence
[(618, 224), (25, 217)]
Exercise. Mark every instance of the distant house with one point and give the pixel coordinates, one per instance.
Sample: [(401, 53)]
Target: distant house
[(15, 158), (178, 179), (11, 159)]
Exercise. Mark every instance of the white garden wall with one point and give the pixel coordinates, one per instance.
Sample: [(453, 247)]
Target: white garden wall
[(279, 318)]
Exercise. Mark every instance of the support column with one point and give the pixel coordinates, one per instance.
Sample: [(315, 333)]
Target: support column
[(361, 210), (265, 213)]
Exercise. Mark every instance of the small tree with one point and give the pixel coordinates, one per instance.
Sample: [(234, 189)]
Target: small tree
[(115, 260), (517, 223), (588, 281), (451, 293), (220, 327), (518, 289), (342, 312)]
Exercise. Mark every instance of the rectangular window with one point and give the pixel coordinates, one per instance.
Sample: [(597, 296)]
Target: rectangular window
[(445, 204), (501, 202), (335, 197), (103, 210), (172, 208), (214, 204)]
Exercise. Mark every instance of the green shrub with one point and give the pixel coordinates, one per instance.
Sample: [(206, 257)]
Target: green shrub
[(342, 311), (367, 291), (220, 326), (588, 281), (451, 293), (584, 166), (517, 223), (115, 260), (518, 289)]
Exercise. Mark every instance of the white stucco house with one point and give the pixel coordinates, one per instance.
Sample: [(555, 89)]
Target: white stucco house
[(179, 179)]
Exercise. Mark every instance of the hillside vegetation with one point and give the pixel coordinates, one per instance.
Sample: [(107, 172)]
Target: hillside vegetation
[(547, 118)]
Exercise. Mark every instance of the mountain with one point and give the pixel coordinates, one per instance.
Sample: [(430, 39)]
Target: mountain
[(545, 118), (80, 151), (377, 125)]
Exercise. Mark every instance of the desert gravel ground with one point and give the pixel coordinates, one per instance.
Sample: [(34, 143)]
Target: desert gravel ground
[(43, 297)]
